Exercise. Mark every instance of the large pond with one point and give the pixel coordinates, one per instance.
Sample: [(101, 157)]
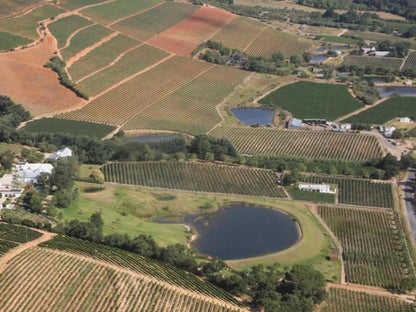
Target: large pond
[(240, 231), (152, 138), (318, 59), (331, 48), (252, 116), (402, 91)]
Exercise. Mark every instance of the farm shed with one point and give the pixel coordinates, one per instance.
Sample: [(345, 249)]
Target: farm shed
[(405, 119), (319, 188), (294, 123)]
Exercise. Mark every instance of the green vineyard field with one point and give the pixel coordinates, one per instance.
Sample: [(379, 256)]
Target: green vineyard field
[(375, 62), (64, 27)]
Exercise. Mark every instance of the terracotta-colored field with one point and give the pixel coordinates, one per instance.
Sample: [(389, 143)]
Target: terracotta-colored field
[(184, 37), (27, 82)]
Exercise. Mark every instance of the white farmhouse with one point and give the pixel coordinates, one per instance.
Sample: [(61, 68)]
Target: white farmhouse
[(319, 188), (28, 173), (62, 153), (388, 131), (8, 193), (405, 119)]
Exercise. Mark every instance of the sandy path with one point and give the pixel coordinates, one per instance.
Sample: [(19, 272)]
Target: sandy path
[(342, 32), (84, 52), (19, 249), (136, 13), (364, 108), (68, 40)]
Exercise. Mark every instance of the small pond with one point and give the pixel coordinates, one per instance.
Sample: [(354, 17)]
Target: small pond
[(317, 59), (402, 91), (152, 138), (331, 48), (241, 231), (252, 116), (377, 79)]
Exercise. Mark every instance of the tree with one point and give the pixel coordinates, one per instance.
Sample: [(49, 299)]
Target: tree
[(6, 159), (64, 173), (390, 165), (294, 59), (96, 221), (32, 201), (97, 176)]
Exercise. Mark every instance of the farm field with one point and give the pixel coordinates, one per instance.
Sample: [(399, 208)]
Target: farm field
[(154, 21), (302, 144), (84, 39), (313, 100), (203, 177), (66, 281), (101, 56), (340, 39), (77, 4), (360, 192), (9, 41), (5, 246), (239, 33), (270, 41), (374, 36), (143, 90), (297, 194), (391, 63), (14, 148), (185, 36), (140, 265), (25, 25), (129, 64), (12, 7), (191, 108), (340, 300), (113, 11), (386, 111), (411, 61), (17, 234), (374, 251), (73, 127), (64, 27)]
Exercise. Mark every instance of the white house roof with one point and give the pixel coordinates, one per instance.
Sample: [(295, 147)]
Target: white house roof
[(31, 171), (65, 152), (6, 180)]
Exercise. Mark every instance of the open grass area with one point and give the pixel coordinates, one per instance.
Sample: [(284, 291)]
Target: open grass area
[(101, 56), (73, 127), (313, 100), (25, 25), (391, 63), (84, 39), (9, 41), (190, 109), (129, 64), (112, 11), (301, 144), (64, 27), (386, 111), (374, 250), (154, 21)]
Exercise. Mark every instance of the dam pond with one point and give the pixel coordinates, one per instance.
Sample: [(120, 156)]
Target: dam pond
[(252, 115), (241, 231)]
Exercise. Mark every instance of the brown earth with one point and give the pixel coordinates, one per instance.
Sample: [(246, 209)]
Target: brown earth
[(184, 37)]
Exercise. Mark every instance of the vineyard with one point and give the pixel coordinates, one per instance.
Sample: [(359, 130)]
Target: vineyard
[(9, 41), (5, 246), (375, 62), (139, 92), (66, 282), (73, 127), (374, 250), (76, 4), (386, 111), (191, 108), (191, 176), (304, 144), (25, 25), (313, 100), (341, 300), (14, 148), (84, 39), (154, 21), (17, 234), (64, 27), (101, 56), (271, 41), (129, 64), (8, 7), (239, 33), (359, 191), (112, 11), (411, 61), (138, 264)]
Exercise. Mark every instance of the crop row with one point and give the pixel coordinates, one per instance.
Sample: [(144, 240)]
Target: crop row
[(139, 264), (304, 144), (5, 246), (64, 27), (193, 176), (358, 191), (18, 234), (14, 148), (374, 252), (411, 61), (375, 62), (341, 300), (123, 102), (190, 109), (43, 280)]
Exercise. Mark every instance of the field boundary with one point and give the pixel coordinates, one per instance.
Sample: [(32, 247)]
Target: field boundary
[(69, 39), (134, 14), (362, 109)]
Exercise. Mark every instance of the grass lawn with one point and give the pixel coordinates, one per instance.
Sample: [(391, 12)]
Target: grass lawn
[(386, 111), (54, 125), (130, 210), (313, 100)]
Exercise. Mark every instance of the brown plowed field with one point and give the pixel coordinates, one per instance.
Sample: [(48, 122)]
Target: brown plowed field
[(24, 79), (184, 37)]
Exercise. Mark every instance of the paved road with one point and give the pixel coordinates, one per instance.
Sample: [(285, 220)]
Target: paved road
[(408, 200)]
